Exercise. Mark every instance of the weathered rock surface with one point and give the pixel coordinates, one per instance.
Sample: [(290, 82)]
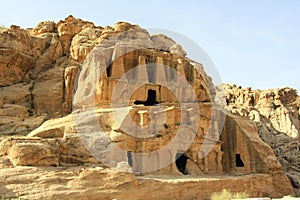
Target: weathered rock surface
[(276, 114), (277, 107), (103, 183), (17, 113), (73, 78), (162, 42), (84, 42), (16, 56), (67, 29), (52, 81), (57, 143)]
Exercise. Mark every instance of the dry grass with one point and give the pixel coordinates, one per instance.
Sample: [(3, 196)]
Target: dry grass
[(227, 195)]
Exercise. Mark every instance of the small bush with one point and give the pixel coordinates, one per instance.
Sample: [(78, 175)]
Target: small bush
[(227, 195)]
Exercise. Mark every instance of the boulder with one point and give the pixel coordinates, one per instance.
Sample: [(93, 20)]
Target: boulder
[(16, 56), (28, 154), (162, 42), (177, 49), (84, 42), (67, 29), (44, 27)]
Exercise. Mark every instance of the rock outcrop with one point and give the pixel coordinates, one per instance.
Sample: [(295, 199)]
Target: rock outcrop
[(280, 108), (277, 116), (78, 98), (17, 56), (103, 183)]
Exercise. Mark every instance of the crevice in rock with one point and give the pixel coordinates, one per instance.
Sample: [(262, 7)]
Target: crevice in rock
[(129, 158), (63, 99), (31, 103)]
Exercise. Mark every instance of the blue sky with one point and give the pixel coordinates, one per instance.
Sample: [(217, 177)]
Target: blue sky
[(252, 42)]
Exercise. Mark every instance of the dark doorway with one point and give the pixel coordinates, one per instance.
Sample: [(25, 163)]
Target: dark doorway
[(151, 99), (181, 160), (129, 158), (238, 161)]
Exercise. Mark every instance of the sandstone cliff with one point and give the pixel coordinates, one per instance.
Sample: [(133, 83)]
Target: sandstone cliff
[(59, 79), (279, 108), (276, 113)]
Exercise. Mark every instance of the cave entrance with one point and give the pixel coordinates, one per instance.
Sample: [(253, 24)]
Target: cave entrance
[(238, 161), (129, 158), (181, 160), (151, 99)]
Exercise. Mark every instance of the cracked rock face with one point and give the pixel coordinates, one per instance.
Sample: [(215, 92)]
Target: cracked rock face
[(278, 107), (276, 114), (63, 82)]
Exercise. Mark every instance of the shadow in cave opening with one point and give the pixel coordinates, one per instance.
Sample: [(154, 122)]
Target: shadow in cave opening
[(151, 99), (181, 160), (238, 161)]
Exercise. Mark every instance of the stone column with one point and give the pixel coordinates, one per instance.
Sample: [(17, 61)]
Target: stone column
[(159, 72), (142, 74), (117, 68)]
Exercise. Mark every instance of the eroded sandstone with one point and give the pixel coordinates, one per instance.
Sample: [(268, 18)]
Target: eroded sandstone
[(276, 114), (81, 85)]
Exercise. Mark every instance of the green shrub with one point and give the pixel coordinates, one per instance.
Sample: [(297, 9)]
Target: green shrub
[(227, 195)]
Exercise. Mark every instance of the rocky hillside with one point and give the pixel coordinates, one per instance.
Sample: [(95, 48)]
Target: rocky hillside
[(45, 58), (49, 106), (276, 113), (38, 67), (280, 108)]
